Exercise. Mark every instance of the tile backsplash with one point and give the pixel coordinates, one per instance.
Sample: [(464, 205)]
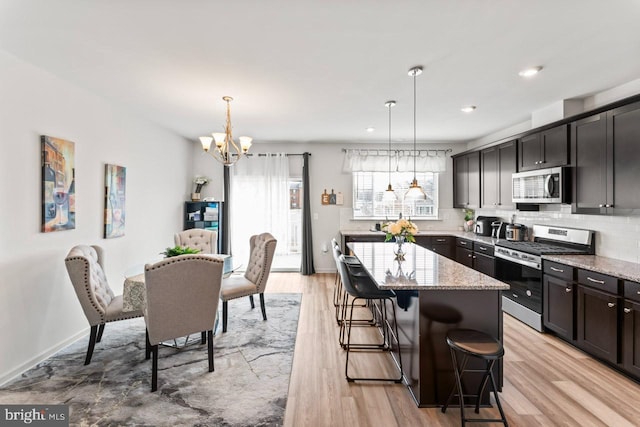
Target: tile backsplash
[(616, 236)]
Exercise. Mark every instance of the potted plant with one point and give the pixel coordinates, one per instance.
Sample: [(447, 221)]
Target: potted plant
[(179, 250)]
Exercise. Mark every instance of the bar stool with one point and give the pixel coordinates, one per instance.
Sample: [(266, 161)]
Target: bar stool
[(355, 268), (472, 343), (363, 288)]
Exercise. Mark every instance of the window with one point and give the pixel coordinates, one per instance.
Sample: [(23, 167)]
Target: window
[(369, 187)]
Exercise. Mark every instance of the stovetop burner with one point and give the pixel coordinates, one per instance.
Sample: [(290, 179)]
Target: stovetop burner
[(539, 248), (554, 240)]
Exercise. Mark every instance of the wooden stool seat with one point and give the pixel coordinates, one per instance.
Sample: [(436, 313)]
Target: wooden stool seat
[(472, 343)]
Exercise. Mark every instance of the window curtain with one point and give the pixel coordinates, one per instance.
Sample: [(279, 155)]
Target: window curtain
[(307, 240), (260, 202), (401, 160)]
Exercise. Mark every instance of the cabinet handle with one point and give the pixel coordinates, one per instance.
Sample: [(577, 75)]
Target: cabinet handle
[(474, 257), (601, 205), (482, 248), (567, 290), (600, 282), (558, 270), (470, 256), (627, 310), (515, 296), (463, 243), (441, 240), (608, 206), (638, 292), (610, 305)]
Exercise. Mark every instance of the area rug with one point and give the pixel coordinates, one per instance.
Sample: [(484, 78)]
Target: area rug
[(248, 387)]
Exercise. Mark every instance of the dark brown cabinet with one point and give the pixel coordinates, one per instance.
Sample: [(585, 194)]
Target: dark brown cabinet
[(606, 155), (476, 255), (464, 252), (466, 180), (559, 302), (545, 149), (598, 323), (442, 245), (631, 328), (497, 165)]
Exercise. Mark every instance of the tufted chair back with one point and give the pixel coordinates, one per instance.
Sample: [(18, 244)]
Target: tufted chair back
[(198, 238), (262, 249), (85, 267)]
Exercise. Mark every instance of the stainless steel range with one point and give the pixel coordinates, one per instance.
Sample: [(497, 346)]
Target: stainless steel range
[(520, 265)]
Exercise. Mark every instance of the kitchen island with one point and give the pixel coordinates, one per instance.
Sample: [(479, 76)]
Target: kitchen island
[(434, 294)]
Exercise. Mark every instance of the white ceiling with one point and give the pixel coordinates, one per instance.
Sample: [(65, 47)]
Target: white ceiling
[(311, 70)]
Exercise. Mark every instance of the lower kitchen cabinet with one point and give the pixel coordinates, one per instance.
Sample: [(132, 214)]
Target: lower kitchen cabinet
[(442, 245), (631, 337), (559, 306), (631, 328), (598, 323)]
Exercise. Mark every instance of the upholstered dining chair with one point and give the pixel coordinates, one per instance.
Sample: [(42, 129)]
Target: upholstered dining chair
[(254, 280), (182, 298), (198, 238), (85, 265)]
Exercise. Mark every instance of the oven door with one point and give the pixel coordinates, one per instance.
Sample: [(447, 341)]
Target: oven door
[(525, 282)]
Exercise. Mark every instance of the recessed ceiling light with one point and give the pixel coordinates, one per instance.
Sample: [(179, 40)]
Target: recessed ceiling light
[(530, 72), (370, 129), (468, 108)]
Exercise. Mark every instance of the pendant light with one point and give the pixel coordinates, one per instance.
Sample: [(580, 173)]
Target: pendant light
[(415, 192), (389, 195)]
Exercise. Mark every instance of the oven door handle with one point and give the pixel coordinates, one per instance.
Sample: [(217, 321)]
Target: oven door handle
[(532, 264)]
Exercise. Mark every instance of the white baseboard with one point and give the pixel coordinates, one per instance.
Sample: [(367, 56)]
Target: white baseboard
[(5, 378)]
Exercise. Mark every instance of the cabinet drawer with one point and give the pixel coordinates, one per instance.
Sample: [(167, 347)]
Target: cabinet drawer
[(441, 240), (464, 243), (483, 248), (632, 290), (598, 281), (485, 264), (561, 271)]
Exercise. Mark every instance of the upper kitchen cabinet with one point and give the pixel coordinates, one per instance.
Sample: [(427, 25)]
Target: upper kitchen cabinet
[(466, 180), (545, 149), (605, 149), (497, 165)]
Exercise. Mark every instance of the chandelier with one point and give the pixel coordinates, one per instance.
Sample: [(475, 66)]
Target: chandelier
[(226, 151)]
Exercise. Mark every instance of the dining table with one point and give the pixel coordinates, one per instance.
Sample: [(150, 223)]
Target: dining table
[(434, 294), (134, 292)]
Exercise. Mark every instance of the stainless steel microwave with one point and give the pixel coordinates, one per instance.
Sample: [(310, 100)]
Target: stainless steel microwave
[(541, 186)]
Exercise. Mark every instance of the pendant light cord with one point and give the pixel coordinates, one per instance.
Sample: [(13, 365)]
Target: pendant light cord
[(414, 126), (389, 151)]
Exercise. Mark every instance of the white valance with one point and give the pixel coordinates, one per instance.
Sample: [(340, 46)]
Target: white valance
[(366, 160)]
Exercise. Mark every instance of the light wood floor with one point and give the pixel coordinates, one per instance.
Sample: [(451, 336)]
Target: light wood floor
[(547, 382)]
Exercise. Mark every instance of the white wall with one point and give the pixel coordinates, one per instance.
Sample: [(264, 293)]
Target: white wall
[(325, 167), (39, 311)]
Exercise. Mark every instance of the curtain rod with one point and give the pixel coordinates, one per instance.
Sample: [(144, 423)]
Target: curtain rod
[(397, 151), (286, 154)]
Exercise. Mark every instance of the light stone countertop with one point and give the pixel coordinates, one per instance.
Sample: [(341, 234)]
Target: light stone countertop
[(599, 264), (462, 234), (421, 269)]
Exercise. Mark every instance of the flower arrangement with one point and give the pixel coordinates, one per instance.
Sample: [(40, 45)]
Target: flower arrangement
[(402, 227), (200, 181)]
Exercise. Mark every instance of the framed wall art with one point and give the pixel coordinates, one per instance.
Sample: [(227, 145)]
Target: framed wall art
[(115, 179), (58, 184)]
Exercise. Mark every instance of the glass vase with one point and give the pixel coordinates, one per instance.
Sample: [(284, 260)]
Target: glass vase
[(398, 249)]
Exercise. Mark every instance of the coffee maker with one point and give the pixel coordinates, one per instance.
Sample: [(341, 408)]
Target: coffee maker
[(498, 229)]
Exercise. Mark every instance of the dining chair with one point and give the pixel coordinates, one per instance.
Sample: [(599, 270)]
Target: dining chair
[(198, 238), (85, 266), (182, 298), (254, 280)]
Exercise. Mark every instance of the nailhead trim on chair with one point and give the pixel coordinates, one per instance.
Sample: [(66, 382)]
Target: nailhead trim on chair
[(182, 258), (87, 285)]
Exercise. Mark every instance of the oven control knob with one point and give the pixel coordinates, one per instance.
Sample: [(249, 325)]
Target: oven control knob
[(528, 293)]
